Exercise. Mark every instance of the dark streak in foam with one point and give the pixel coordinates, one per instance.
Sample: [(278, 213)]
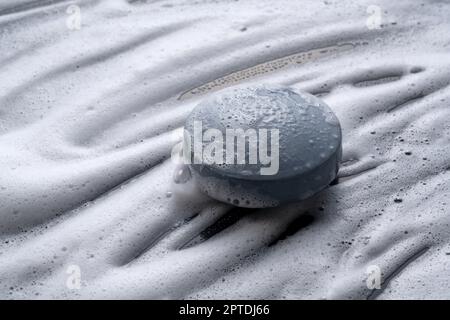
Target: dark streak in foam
[(303, 221), (355, 175), (227, 220), (134, 2), (376, 292), (377, 81), (30, 6), (273, 65), (155, 240), (416, 69), (320, 93), (406, 103)]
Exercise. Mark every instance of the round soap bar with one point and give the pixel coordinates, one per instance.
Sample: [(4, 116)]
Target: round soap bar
[(262, 146)]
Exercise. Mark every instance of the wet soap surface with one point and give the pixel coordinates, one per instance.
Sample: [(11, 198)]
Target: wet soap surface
[(309, 132), (303, 156), (88, 121)]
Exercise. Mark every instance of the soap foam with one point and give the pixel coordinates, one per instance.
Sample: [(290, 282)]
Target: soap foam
[(85, 136)]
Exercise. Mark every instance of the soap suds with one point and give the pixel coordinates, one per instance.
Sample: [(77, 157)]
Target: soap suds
[(88, 119)]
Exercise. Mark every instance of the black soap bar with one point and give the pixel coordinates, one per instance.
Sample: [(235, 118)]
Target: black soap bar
[(262, 146)]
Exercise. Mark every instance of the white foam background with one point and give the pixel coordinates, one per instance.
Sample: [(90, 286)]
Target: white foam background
[(88, 119)]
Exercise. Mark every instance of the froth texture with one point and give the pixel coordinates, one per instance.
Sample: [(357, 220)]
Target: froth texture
[(88, 119)]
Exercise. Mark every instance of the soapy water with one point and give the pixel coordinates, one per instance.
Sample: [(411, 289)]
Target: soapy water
[(87, 125), (265, 67)]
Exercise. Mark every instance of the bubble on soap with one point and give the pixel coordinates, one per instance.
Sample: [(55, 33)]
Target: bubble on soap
[(182, 174)]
